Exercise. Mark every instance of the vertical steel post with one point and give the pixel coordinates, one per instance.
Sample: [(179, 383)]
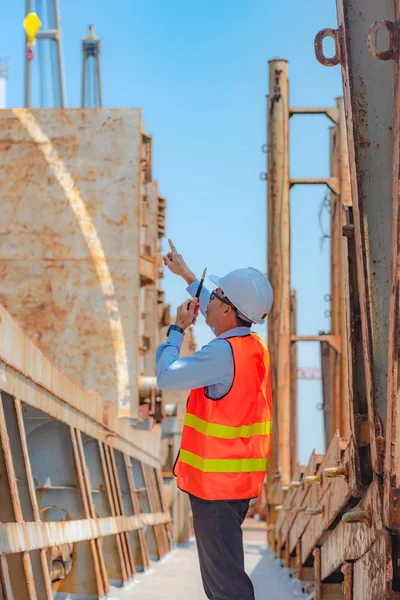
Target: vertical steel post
[(60, 62), (293, 383), (99, 86), (392, 455), (368, 93), (334, 363), (339, 395), (279, 263), (3, 84), (344, 200), (91, 51), (28, 63)]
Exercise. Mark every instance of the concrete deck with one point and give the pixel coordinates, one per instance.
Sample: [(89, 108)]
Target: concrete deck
[(177, 576)]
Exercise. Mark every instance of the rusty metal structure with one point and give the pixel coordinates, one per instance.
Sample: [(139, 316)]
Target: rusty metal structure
[(84, 460), (87, 496), (282, 329), (81, 494), (79, 254), (335, 522)]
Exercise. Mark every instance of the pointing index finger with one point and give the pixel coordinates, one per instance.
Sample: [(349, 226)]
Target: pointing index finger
[(172, 246)]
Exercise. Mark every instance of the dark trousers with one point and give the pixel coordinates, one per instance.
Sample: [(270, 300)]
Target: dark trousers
[(219, 537)]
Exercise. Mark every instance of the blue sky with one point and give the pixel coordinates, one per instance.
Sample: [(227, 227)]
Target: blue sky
[(199, 72)]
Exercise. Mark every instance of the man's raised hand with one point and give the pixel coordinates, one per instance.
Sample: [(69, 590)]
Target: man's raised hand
[(175, 263)]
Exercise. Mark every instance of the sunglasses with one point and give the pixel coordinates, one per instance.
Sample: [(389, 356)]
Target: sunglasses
[(220, 298)]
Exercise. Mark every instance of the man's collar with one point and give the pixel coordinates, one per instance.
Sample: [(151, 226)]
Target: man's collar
[(235, 332)]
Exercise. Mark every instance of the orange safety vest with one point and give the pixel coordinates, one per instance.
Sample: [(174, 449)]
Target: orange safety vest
[(226, 442)]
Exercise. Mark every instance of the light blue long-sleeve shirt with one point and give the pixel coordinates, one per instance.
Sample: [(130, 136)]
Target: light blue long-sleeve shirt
[(211, 367)]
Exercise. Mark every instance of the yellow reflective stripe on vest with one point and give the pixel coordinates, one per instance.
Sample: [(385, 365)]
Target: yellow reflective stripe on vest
[(223, 465), (226, 432)]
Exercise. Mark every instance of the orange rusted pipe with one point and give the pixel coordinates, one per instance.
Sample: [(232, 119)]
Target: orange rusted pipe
[(279, 262), (344, 199)]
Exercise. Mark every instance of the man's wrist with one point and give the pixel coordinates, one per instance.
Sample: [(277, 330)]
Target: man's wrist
[(176, 327), (189, 277)]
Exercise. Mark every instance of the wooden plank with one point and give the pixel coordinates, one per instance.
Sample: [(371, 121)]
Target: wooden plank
[(122, 512), (348, 573), (30, 376), (32, 494), (26, 589), (28, 536), (136, 508), (5, 578), (372, 572), (87, 512), (317, 574), (296, 498), (151, 493), (113, 510), (299, 562), (97, 550), (301, 520), (159, 504), (333, 496), (30, 580), (348, 542), (116, 505), (355, 350)]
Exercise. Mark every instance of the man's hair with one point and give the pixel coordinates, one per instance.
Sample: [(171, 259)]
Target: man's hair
[(241, 322)]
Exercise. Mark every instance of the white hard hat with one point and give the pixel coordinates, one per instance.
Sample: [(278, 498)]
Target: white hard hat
[(250, 292)]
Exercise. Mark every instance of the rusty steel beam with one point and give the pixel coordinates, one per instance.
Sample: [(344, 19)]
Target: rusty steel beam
[(26, 373), (392, 455), (29, 536), (332, 340), (359, 535), (339, 396), (336, 233), (369, 103), (73, 281), (344, 199), (28, 590), (88, 512), (331, 182), (65, 519), (330, 111), (47, 472), (344, 520), (293, 383), (279, 263)]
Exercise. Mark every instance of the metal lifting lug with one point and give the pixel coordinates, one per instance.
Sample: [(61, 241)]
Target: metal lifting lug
[(312, 479), (299, 509), (357, 516), (334, 472), (295, 484), (315, 511)]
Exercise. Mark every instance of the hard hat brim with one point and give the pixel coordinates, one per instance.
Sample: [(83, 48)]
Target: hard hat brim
[(215, 279)]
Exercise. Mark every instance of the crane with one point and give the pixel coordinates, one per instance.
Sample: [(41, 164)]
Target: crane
[(91, 78), (50, 66)]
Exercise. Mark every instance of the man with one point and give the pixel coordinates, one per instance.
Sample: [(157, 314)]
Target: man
[(226, 436)]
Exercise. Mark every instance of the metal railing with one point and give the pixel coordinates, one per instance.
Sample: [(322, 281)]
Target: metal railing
[(81, 496)]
